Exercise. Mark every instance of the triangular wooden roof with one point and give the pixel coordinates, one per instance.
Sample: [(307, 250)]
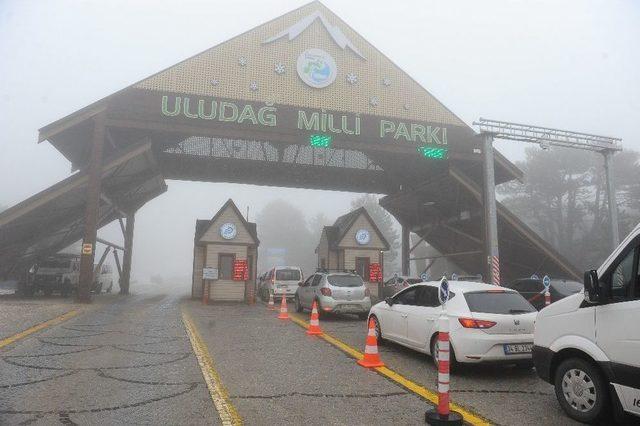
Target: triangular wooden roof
[(229, 70), (343, 224), (202, 226)]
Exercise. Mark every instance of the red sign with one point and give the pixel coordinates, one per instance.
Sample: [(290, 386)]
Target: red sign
[(240, 270), (375, 273)]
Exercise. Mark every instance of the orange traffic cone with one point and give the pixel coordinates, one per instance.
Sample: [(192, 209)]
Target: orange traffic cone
[(284, 313), (271, 306), (314, 323), (371, 357)]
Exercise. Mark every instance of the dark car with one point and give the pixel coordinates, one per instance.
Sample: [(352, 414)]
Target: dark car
[(533, 290)]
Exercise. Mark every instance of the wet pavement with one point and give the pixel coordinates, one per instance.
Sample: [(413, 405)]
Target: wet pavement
[(503, 394), (128, 360), (125, 361)]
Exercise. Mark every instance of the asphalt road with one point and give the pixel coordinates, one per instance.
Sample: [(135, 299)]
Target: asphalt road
[(130, 361), (502, 394), (125, 361)]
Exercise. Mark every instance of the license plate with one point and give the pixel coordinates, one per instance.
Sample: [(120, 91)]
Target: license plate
[(518, 348), (351, 307)]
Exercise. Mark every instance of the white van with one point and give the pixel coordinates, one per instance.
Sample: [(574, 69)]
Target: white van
[(282, 280), (588, 345)]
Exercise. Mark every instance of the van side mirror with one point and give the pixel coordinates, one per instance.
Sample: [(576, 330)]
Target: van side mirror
[(592, 291), (389, 301)]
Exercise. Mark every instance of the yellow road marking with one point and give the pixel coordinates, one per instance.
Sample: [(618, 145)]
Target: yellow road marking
[(469, 416), (53, 321), (227, 412)]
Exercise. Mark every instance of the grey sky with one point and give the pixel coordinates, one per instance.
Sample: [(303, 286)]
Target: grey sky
[(566, 64)]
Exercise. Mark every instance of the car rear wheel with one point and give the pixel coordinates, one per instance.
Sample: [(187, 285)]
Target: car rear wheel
[(298, 304), (378, 329), (434, 354), (581, 390)]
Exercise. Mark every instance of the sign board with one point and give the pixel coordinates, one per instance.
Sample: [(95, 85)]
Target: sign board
[(240, 270), (443, 291), (546, 281), (363, 237), (454, 277), (424, 276), (210, 273), (228, 231), (375, 272), (87, 248)]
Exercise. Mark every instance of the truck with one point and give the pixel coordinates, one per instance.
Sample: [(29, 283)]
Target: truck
[(55, 274), (588, 345)]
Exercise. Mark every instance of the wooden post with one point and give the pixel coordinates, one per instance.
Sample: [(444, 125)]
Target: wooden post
[(92, 210), (115, 256), (126, 257), (405, 249)]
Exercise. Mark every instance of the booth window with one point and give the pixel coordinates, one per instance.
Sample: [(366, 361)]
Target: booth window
[(225, 266)]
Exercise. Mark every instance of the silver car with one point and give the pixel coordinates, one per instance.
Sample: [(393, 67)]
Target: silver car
[(339, 292)]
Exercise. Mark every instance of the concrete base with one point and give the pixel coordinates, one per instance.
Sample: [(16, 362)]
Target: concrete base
[(433, 418)]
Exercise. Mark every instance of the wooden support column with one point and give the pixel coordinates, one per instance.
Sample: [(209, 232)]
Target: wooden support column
[(405, 249), (126, 257), (92, 208)]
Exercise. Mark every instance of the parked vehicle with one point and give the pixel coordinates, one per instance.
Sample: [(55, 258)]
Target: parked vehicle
[(55, 274), (588, 345), (339, 292), (397, 283), (487, 323), (103, 280), (281, 280), (533, 290)]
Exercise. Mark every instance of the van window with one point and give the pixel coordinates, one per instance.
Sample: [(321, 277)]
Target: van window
[(622, 277), (288, 275)]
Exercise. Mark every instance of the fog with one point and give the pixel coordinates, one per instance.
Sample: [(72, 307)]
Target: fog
[(571, 65)]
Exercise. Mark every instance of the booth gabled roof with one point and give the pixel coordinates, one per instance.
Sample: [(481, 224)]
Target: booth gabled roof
[(203, 225), (343, 224)]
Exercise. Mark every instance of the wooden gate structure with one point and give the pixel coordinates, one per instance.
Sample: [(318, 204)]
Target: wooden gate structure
[(301, 101)]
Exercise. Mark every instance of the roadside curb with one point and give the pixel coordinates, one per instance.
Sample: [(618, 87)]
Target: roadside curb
[(38, 327), (469, 416)]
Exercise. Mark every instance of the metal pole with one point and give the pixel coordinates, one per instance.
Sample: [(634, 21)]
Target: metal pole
[(490, 214), (405, 249), (126, 258), (611, 195), (94, 171)]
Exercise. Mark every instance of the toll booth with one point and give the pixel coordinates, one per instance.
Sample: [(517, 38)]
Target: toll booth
[(225, 256), (354, 242)]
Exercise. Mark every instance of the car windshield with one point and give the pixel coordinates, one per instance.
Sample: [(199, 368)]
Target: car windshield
[(288, 275), (345, 280), (567, 288), (498, 302)]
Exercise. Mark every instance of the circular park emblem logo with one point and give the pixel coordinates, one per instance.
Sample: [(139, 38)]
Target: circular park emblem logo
[(363, 237), (228, 231), (316, 68)]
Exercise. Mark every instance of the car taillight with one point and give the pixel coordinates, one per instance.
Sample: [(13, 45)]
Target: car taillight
[(367, 293), (474, 323), (325, 291)]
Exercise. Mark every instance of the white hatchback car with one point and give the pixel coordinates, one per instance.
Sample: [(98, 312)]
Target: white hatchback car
[(487, 323)]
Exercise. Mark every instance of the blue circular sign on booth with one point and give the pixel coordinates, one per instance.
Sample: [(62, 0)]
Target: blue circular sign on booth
[(546, 281), (443, 291)]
